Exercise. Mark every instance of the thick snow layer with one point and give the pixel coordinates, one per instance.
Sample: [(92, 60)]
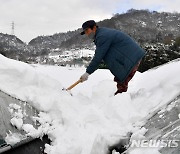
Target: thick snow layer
[(92, 119)]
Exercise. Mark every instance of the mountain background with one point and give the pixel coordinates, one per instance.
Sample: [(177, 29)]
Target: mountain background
[(157, 33)]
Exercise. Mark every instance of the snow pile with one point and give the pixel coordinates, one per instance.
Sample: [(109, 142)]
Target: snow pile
[(17, 115), (93, 118)]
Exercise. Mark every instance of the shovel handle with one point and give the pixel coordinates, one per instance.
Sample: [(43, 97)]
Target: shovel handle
[(73, 85)]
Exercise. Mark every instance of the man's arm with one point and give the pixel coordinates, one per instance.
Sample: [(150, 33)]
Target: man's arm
[(102, 47)]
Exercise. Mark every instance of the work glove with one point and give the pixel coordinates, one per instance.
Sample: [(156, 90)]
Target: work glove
[(84, 77)]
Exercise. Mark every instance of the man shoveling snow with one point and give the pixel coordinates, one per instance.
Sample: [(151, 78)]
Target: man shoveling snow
[(120, 52)]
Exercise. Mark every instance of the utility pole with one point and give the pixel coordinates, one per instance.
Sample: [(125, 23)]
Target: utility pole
[(12, 28)]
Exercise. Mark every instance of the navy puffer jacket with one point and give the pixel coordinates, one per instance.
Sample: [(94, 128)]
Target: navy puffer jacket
[(119, 51)]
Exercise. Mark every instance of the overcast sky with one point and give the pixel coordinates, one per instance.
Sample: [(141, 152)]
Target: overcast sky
[(46, 17)]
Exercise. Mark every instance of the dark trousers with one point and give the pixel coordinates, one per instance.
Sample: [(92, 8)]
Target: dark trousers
[(123, 86)]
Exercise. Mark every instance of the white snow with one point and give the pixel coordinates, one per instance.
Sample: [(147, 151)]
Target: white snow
[(17, 122), (92, 116), (13, 138), (145, 151), (17, 115), (143, 24), (71, 54)]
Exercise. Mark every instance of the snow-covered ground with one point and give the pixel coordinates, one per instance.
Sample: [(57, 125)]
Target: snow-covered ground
[(70, 55), (91, 119)]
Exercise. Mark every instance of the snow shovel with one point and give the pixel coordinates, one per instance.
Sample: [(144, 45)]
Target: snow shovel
[(72, 86)]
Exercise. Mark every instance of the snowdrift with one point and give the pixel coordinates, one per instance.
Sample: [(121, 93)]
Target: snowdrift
[(93, 116)]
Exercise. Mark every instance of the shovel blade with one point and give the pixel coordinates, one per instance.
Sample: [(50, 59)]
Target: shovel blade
[(68, 91)]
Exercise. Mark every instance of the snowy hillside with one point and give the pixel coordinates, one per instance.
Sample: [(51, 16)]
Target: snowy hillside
[(156, 32), (92, 119), (143, 25), (71, 57)]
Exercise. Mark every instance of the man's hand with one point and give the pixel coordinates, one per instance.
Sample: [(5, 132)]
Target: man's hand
[(84, 77)]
